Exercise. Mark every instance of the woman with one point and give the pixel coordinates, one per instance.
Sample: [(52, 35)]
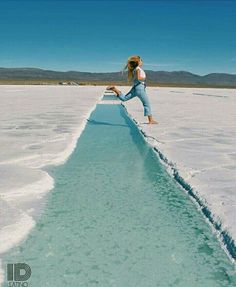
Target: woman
[(137, 74)]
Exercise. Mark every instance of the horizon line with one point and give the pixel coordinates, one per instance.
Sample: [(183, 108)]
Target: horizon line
[(67, 71)]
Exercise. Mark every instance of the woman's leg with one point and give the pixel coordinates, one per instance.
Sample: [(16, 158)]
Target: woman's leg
[(121, 96), (141, 93)]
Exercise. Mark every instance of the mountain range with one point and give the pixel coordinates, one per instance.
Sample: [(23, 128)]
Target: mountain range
[(154, 77)]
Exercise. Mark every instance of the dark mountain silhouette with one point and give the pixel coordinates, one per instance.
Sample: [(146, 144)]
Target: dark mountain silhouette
[(154, 77)]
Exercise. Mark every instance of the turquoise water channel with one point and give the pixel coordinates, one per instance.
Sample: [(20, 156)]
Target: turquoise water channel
[(116, 218)]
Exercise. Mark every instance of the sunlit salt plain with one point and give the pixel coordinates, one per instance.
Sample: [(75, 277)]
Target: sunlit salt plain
[(39, 126), (197, 136)]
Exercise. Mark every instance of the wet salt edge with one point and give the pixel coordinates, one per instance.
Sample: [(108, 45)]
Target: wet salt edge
[(12, 234), (180, 168)]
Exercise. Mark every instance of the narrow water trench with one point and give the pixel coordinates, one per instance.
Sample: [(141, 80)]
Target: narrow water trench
[(116, 218)]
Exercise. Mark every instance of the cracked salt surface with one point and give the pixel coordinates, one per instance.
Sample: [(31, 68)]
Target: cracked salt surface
[(197, 134)]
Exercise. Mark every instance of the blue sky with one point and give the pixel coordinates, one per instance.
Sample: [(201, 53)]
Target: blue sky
[(98, 36)]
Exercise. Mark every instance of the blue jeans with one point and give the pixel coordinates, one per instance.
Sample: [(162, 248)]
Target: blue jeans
[(140, 92)]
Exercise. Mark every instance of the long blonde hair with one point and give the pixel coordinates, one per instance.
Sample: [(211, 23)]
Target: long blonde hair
[(132, 63)]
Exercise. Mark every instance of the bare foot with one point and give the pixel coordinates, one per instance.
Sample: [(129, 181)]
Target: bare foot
[(153, 122), (110, 88), (114, 89)]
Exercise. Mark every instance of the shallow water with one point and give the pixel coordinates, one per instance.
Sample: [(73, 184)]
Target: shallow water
[(116, 218)]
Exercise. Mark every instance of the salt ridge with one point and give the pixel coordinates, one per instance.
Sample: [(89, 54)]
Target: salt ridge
[(15, 233), (217, 223)]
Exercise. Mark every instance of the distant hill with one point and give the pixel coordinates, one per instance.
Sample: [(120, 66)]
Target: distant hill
[(154, 77)]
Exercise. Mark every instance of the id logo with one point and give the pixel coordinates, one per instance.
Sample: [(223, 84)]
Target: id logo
[(18, 274)]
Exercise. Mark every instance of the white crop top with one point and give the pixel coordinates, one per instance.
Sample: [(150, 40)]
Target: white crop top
[(142, 73)]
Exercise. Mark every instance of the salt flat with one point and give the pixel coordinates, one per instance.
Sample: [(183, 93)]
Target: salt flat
[(39, 126), (197, 134)]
